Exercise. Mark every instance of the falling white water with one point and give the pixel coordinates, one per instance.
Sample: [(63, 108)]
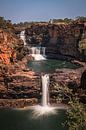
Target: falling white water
[(38, 53), (33, 50), (45, 108), (45, 90), (22, 36), (43, 48)]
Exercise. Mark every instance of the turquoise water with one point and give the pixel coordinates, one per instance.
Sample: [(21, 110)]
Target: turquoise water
[(50, 65), (23, 120)]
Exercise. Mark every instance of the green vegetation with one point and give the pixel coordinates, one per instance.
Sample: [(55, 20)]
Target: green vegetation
[(82, 46), (65, 20), (81, 18), (76, 114), (6, 24), (24, 25)]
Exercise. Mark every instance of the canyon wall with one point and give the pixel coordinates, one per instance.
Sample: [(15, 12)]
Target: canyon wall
[(64, 39), (9, 47), (16, 81)]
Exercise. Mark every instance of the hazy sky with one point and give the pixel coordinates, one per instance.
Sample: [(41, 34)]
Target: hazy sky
[(41, 10)]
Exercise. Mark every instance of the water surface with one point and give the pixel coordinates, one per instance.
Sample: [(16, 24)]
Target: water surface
[(50, 65), (23, 120)]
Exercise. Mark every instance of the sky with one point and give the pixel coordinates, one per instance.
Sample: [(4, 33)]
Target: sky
[(41, 10)]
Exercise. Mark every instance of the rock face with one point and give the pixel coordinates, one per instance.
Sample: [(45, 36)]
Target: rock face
[(59, 39), (66, 78), (82, 89), (8, 43), (17, 83), (83, 80), (17, 103)]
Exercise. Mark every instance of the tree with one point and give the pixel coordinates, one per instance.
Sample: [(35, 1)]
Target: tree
[(67, 20), (2, 22), (76, 114), (81, 18)]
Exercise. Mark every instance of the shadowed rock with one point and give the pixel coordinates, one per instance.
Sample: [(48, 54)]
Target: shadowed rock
[(83, 80)]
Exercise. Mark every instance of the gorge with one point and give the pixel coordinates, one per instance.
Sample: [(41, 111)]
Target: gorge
[(42, 67), (57, 41)]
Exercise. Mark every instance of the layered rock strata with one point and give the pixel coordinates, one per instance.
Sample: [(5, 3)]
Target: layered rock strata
[(63, 39)]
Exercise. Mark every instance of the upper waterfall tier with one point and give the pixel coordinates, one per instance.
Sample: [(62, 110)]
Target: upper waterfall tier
[(38, 53), (22, 36)]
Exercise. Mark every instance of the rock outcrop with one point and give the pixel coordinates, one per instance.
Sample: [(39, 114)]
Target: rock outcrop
[(9, 44), (83, 80), (17, 103), (19, 86), (15, 80), (82, 88), (64, 77), (63, 39)]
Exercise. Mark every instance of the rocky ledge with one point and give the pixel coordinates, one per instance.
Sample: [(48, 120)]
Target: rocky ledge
[(73, 79), (17, 83), (17, 103), (19, 86), (59, 39)]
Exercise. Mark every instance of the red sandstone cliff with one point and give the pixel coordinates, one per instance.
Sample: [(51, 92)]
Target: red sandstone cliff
[(8, 45), (15, 81), (65, 39)]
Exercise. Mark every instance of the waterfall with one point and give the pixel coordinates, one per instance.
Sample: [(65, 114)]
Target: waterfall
[(22, 36), (45, 108), (43, 51), (33, 50), (45, 88), (38, 53)]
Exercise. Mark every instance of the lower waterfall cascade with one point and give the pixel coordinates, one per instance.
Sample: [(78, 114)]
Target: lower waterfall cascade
[(45, 108)]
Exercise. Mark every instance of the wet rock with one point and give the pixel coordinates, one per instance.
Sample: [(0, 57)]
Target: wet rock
[(83, 80), (17, 103)]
